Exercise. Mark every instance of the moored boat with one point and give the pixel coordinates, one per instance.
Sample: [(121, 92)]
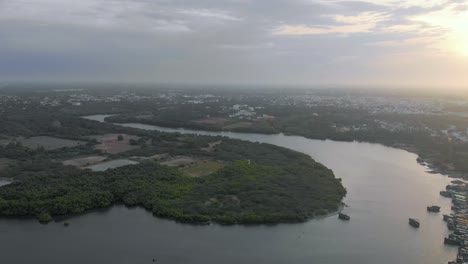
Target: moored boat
[(445, 194), (414, 223), (344, 217), (447, 217), (433, 209), (451, 241)]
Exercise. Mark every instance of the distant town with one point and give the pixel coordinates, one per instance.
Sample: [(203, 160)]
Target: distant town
[(386, 112)]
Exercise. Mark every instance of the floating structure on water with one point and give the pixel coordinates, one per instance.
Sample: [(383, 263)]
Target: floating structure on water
[(457, 221), (445, 194), (433, 209), (414, 223), (344, 216)]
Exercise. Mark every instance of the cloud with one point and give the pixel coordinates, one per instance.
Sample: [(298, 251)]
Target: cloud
[(231, 41), (361, 23), (111, 14), (312, 30), (247, 47), (403, 28), (402, 3), (372, 18), (208, 13), (416, 42), (452, 22)]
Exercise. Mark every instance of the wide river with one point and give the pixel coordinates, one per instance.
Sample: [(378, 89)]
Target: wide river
[(385, 187)]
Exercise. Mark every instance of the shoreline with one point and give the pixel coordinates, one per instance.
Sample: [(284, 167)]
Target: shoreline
[(433, 169)]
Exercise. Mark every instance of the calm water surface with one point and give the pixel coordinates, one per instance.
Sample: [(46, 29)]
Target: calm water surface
[(385, 187)]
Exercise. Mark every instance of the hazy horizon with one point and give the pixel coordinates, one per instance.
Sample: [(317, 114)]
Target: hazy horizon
[(305, 43)]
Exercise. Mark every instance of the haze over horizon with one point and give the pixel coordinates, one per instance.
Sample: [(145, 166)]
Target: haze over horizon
[(296, 42)]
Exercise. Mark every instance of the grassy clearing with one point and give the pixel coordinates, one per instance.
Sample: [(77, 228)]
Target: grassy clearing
[(238, 125), (110, 143), (179, 161), (48, 143)]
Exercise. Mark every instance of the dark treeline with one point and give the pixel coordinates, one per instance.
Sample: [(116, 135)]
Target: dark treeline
[(239, 193)]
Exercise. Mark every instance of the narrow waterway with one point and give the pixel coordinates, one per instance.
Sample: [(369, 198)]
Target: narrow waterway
[(4, 181), (385, 187)]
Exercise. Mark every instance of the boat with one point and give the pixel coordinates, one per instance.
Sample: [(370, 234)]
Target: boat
[(344, 216), (451, 241), (447, 217), (457, 182), (414, 223), (445, 194), (433, 208)]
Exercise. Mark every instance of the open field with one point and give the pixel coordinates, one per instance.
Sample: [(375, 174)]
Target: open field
[(203, 168), (157, 157), (111, 164), (211, 146), (84, 161), (238, 125), (109, 143), (48, 143), (179, 161)]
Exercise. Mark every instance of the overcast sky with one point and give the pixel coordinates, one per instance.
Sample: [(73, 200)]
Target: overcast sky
[(297, 42)]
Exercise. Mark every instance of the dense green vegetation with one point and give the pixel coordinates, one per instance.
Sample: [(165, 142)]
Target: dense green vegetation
[(259, 183), (239, 193)]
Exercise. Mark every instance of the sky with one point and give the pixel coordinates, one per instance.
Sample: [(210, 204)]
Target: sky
[(413, 43)]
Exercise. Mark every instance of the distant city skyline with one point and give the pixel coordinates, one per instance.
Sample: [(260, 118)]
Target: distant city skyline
[(384, 43)]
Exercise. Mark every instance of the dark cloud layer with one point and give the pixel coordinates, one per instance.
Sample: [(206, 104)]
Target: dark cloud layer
[(235, 42)]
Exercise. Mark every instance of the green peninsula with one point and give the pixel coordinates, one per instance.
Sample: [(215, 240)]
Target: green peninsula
[(245, 183)]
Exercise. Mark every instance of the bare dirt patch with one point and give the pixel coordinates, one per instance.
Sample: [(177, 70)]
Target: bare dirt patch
[(211, 146), (110, 143), (179, 161), (157, 157)]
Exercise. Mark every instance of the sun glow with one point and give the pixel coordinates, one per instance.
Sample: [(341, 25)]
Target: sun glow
[(452, 24), (461, 42)]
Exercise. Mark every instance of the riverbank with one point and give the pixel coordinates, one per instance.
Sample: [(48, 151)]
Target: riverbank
[(434, 165)]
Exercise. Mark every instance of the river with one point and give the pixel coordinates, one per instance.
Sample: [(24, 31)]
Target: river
[(385, 187), (5, 181)]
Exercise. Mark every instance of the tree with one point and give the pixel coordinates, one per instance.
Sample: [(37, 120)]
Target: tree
[(120, 138)]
